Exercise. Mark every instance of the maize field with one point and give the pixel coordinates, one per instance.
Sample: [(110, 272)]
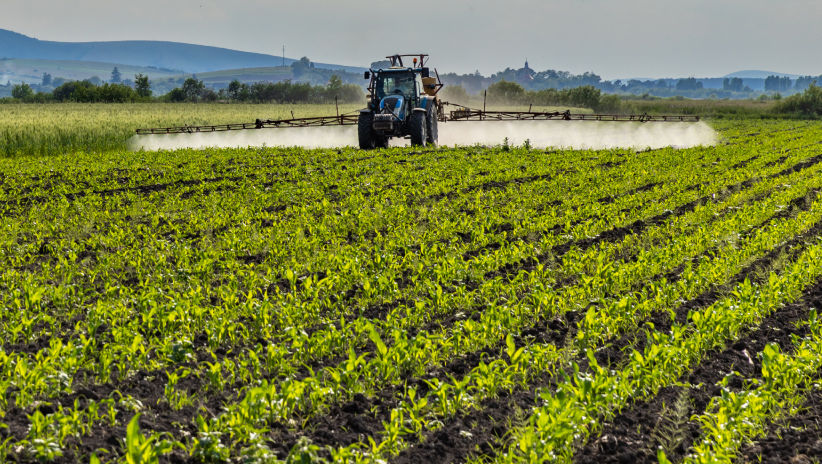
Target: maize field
[(467, 304)]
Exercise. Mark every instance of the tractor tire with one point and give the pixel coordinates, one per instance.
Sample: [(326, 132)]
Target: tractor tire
[(417, 129), (365, 131), (432, 127)]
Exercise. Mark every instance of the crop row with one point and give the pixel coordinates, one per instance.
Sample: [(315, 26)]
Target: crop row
[(285, 285)]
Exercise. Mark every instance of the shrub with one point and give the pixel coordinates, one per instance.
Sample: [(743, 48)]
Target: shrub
[(22, 92), (506, 92), (807, 103)]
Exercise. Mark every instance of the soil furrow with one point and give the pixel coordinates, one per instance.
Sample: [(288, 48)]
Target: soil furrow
[(664, 421), (796, 439), (489, 185), (612, 198), (449, 441), (756, 271), (141, 189), (347, 423)]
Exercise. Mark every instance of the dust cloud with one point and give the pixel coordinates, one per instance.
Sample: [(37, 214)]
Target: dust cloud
[(307, 137), (579, 134), (540, 134)]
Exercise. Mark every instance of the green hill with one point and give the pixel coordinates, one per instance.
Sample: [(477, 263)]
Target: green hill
[(315, 76), (188, 58), (31, 70)]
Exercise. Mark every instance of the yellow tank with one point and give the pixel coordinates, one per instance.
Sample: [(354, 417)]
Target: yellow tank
[(429, 84)]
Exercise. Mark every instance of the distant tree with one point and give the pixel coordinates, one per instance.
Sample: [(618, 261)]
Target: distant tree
[(66, 90), (46, 80), (734, 85), (115, 93), (688, 84), (505, 92), (609, 102), (455, 93), (208, 95), (192, 88), (807, 103), (116, 77), (586, 96), (301, 66), (142, 85), (335, 82), (238, 91), (804, 82), (234, 88), (634, 84), (176, 95), (86, 92), (94, 80), (22, 91), (778, 83)]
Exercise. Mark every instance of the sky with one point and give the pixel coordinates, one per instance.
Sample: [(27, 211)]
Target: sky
[(613, 38)]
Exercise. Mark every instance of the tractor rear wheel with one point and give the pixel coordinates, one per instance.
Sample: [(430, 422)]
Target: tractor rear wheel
[(365, 131), (432, 126), (417, 126)]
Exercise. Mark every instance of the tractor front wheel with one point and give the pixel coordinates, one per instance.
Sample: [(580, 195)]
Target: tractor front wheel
[(417, 128), (365, 131)]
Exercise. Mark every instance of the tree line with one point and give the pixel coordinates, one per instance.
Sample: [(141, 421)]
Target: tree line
[(192, 90), (586, 96), (806, 104), (689, 87)]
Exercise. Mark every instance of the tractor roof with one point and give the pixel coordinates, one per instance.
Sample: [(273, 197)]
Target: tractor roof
[(400, 70)]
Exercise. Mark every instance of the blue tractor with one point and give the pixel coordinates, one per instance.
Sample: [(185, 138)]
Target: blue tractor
[(402, 102)]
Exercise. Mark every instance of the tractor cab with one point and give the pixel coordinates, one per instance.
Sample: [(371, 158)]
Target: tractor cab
[(393, 89), (398, 82), (402, 103)]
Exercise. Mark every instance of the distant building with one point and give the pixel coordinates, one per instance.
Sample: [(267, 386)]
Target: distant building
[(525, 74)]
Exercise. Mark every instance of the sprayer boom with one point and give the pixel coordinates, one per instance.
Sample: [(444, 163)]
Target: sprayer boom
[(462, 114), (341, 120), (480, 115)]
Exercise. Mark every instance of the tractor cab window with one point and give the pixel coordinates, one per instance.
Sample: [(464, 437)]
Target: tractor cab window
[(398, 84)]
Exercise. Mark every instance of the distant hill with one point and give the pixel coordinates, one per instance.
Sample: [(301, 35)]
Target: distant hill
[(31, 71), (183, 57), (17, 70), (757, 74)]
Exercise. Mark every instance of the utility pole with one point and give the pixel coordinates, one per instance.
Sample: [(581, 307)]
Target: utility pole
[(283, 55)]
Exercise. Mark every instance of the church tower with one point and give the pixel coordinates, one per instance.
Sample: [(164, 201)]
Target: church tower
[(525, 74)]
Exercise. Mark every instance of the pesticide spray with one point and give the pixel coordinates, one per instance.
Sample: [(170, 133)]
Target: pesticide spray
[(539, 134)]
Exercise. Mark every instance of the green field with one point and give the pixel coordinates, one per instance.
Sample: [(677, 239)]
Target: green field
[(66, 128), (469, 304)]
